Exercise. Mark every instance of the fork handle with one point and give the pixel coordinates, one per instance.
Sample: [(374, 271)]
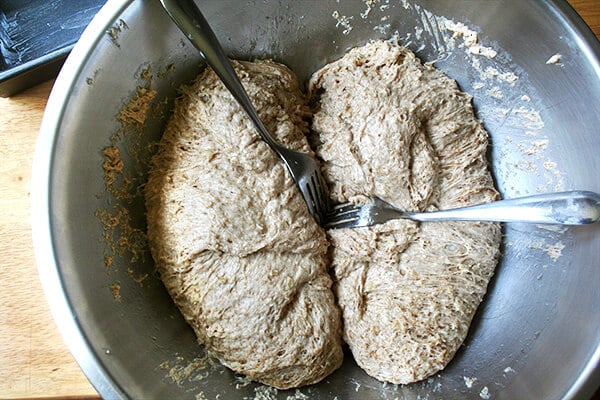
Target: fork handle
[(190, 20), (565, 208)]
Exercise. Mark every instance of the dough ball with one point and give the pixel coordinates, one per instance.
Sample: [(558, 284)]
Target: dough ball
[(391, 127), (231, 235)]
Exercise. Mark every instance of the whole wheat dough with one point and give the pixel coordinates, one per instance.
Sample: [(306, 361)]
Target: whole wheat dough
[(246, 263), (231, 235), (391, 127)]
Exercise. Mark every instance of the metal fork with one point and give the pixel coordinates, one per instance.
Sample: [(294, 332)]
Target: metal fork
[(564, 208), (304, 169)]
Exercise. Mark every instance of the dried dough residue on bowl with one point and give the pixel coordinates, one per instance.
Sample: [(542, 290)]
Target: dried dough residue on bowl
[(124, 160)]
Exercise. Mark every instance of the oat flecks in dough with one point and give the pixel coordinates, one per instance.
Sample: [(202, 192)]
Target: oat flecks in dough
[(394, 128), (231, 235)]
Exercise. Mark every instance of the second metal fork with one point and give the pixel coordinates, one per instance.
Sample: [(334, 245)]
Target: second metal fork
[(304, 169), (564, 208)]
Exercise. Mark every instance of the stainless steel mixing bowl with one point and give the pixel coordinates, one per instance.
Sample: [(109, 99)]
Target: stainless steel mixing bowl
[(537, 333)]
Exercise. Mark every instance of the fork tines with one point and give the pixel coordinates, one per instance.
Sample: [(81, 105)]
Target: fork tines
[(342, 216)]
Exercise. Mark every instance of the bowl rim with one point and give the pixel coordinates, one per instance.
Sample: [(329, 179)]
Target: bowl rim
[(41, 218), (41, 221)]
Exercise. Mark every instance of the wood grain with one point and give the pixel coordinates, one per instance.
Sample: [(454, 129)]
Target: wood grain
[(34, 361), (590, 12)]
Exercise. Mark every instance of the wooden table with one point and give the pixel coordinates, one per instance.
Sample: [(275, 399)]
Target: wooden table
[(34, 361)]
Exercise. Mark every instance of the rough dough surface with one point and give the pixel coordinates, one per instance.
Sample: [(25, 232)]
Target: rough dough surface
[(248, 266), (231, 235), (388, 126)]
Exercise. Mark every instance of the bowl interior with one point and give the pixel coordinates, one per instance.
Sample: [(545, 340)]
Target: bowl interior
[(536, 335)]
